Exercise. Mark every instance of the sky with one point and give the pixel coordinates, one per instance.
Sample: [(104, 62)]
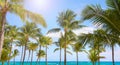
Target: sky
[(50, 9)]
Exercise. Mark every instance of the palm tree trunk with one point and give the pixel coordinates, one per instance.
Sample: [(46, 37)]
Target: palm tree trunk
[(60, 56), (2, 31), (37, 61), (24, 54), (113, 55), (31, 58), (46, 56), (14, 61), (28, 55), (65, 55), (77, 57), (98, 55)]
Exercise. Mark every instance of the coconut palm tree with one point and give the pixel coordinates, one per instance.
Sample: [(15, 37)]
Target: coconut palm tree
[(21, 43), (11, 33), (93, 56), (16, 7), (108, 18), (29, 30), (15, 53), (47, 41), (67, 22), (77, 47), (96, 40), (40, 54), (32, 47), (59, 44)]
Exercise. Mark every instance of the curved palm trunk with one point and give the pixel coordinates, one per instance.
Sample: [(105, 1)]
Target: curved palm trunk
[(46, 56), (60, 57), (28, 56), (113, 55), (65, 55), (2, 31), (77, 57), (24, 54), (31, 58)]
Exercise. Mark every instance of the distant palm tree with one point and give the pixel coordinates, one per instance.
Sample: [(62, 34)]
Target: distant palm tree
[(93, 56), (21, 43), (47, 41), (96, 40), (59, 44), (78, 47), (16, 7), (66, 20), (15, 53), (29, 30), (40, 54), (11, 33), (32, 47)]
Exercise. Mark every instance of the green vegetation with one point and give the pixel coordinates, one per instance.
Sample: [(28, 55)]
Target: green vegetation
[(29, 37)]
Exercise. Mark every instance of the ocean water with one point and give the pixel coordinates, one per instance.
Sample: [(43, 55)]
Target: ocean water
[(57, 63)]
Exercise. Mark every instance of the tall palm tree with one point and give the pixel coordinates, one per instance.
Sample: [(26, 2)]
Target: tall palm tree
[(109, 18), (78, 47), (40, 54), (67, 22), (11, 33), (29, 30), (93, 56), (32, 47), (16, 7), (15, 53), (47, 41), (96, 40), (21, 43), (59, 44)]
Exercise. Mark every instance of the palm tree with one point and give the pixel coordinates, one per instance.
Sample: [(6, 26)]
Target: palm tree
[(11, 33), (21, 43), (96, 40), (32, 47), (108, 18), (47, 41), (16, 7), (67, 22), (40, 54), (77, 47), (93, 56), (29, 30), (59, 44), (15, 53)]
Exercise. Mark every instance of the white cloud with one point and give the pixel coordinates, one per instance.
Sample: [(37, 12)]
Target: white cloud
[(85, 30)]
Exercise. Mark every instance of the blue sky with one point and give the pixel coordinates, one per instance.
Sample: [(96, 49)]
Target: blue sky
[(49, 9)]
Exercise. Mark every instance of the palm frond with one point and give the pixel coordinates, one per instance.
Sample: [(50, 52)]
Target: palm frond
[(56, 49), (53, 30)]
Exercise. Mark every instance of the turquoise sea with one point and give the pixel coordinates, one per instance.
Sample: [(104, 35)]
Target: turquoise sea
[(57, 63)]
